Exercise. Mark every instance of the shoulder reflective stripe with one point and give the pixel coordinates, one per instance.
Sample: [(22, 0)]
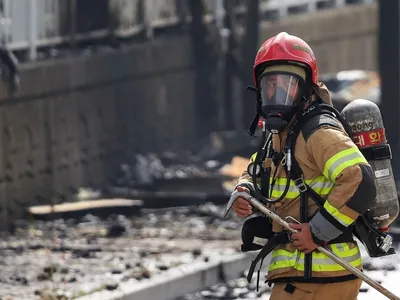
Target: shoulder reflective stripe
[(253, 157), (321, 263), (340, 161), (334, 212)]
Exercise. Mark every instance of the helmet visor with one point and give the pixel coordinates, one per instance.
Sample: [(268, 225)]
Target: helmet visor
[(280, 89)]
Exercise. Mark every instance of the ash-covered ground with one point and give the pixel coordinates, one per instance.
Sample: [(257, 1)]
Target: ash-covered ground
[(64, 259)]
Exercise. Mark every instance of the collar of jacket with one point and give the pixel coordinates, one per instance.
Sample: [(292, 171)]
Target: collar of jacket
[(322, 92), (278, 141)]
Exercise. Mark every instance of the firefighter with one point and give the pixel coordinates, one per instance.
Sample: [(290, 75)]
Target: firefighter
[(286, 80)]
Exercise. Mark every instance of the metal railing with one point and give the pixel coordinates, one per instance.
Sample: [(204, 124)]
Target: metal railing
[(29, 24), (277, 9)]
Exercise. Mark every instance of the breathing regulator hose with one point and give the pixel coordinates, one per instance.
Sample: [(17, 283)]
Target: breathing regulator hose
[(257, 171)]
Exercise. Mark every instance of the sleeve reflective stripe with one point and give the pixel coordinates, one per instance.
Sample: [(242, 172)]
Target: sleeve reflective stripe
[(340, 161), (334, 212)]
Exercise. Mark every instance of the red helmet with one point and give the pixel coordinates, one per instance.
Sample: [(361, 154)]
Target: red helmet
[(285, 48)]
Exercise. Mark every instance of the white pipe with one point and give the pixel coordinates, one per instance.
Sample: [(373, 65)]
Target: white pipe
[(219, 13), (148, 18), (32, 30)]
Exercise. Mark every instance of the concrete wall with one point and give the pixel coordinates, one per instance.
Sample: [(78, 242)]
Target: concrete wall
[(342, 39), (75, 120)]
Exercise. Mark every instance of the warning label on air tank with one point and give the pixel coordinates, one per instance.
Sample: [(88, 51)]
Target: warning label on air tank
[(366, 139)]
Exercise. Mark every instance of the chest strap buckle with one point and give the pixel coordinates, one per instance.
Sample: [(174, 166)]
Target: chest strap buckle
[(300, 184)]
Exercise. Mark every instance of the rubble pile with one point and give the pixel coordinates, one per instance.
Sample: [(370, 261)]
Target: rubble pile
[(167, 178), (223, 153), (145, 170)]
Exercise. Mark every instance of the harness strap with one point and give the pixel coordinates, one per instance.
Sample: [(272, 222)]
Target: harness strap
[(377, 153), (304, 219), (282, 237)]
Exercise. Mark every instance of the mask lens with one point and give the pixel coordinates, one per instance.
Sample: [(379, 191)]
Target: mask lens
[(280, 89)]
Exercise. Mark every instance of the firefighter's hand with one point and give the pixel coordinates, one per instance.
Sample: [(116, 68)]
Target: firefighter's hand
[(303, 240), (241, 206)]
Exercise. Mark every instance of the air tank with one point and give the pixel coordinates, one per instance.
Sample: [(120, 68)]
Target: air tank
[(365, 121)]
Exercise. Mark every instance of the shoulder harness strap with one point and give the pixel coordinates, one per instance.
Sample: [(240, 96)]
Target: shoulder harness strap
[(317, 121), (312, 119)]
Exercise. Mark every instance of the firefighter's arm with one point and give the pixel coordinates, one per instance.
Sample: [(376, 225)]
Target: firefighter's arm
[(245, 180), (239, 204), (245, 183), (342, 163)]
